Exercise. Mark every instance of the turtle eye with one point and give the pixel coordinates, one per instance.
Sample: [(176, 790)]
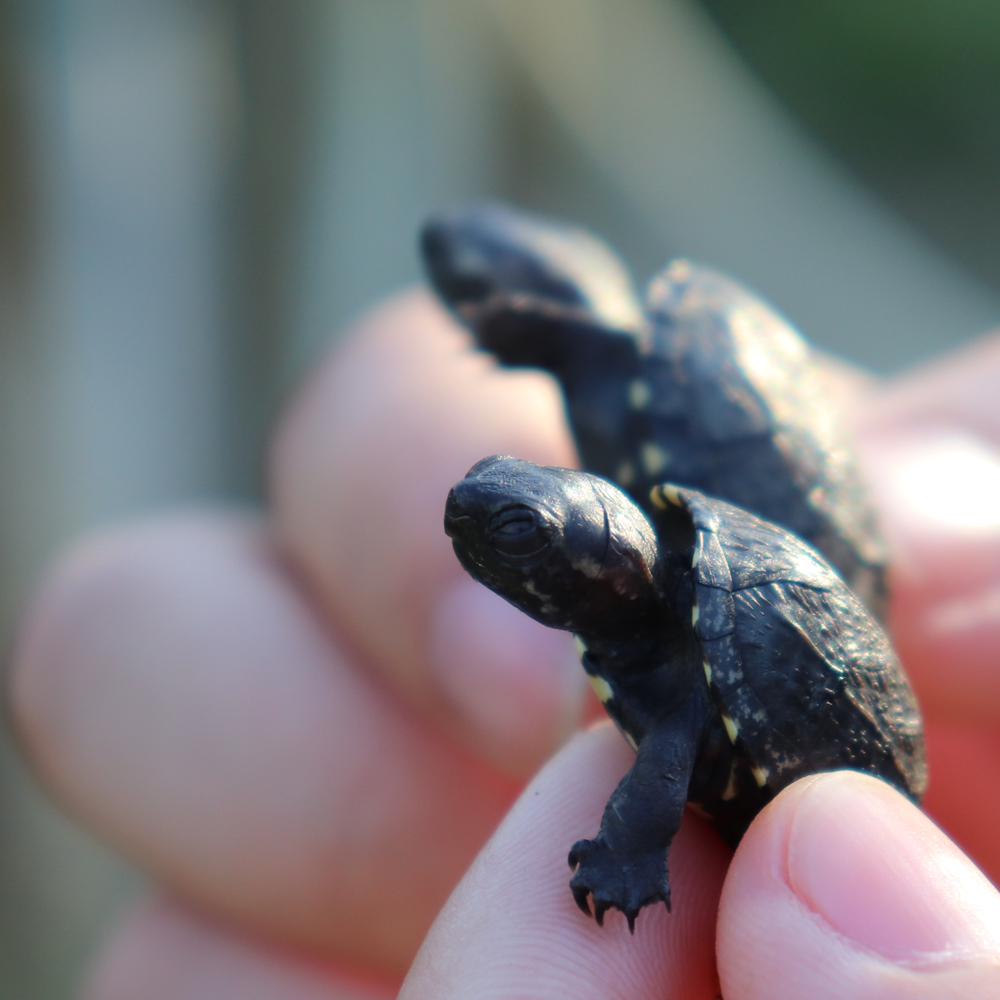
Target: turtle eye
[(516, 532)]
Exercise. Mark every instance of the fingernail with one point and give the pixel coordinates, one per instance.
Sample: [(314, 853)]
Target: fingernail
[(517, 686), (881, 873)]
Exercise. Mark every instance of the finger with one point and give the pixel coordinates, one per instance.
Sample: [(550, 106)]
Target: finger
[(931, 442), (939, 491), (964, 792), (958, 390), (842, 888), (931, 445), (176, 694), (511, 929), (164, 951), (361, 467)]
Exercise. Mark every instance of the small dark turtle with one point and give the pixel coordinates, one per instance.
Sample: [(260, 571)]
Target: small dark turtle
[(729, 653), (706, 386)]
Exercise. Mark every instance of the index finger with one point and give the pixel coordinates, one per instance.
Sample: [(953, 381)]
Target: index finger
[(361, 467)]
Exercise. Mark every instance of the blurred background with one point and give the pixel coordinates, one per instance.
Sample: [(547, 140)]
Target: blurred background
[(196, 194)]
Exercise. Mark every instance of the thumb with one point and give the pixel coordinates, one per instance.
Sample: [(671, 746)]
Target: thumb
[(843, 888)]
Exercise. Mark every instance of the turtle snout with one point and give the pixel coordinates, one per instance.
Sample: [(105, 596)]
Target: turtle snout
[(454, 514), (459, 269), (470, 500)]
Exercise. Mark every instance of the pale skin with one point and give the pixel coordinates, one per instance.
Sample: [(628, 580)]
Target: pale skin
[(306, 729)]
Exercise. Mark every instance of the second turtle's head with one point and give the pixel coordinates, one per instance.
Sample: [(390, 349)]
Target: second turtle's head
[(492, 249), (566, 547), (534, 292)]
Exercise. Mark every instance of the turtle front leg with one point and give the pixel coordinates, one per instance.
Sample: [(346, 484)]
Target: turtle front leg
[(625, 865)]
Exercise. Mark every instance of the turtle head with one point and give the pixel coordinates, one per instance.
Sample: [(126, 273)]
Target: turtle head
[(535, 292), (475, 254), (566, 547), (492, 249)]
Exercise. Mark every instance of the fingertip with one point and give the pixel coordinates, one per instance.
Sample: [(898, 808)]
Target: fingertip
[(45, 684), (941, 485), (957, 390), (842, 887), (929, 444)]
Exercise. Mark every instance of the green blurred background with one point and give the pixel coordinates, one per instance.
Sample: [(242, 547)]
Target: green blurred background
[(906, 94), (195, 195)]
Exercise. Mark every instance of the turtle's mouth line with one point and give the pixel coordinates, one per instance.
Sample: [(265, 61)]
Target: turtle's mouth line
[(452, 521)]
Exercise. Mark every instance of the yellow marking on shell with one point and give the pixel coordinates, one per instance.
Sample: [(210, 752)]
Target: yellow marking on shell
[(679, 270), (639, 394), (730, 792), (625, 474), (695, 614), (581, 646), (601, 688), (654, 458), (630, 739), (696, 556), (731, 730), (671, 495), (708, 670), (760, 775), (656, 498)]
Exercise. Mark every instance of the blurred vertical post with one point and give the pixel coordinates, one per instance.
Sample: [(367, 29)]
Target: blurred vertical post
[(411, 117), (112, 377)]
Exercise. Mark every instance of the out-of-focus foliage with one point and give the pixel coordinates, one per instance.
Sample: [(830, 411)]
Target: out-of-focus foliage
[(906, 91)]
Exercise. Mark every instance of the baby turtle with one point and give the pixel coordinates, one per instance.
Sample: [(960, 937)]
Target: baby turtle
[(704, 386), (729, 653)]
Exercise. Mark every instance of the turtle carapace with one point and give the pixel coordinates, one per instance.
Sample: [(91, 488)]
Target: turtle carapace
[(703, 384), (729, 653)]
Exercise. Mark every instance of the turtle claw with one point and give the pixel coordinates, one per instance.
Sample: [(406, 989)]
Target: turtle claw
[(625, 882)]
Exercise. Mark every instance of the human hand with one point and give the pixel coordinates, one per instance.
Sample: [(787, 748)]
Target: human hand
[(307, 736)]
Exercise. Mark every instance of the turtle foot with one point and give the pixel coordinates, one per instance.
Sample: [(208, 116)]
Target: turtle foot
[(625, 882)]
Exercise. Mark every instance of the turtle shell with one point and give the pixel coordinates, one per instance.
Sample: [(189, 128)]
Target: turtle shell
[(804, 678), (737, 401)]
